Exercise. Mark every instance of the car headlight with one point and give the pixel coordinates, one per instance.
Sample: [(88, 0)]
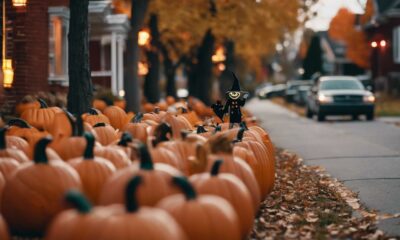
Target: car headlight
[(324, 98), (369, 98)]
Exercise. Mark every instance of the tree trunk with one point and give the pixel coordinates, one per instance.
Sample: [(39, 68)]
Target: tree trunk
[(151, 84), (204, 68), (131, 77), (169, 71), (80, 84), (226, 79)]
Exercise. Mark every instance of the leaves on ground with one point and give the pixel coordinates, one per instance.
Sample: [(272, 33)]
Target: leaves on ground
[(307, 203)]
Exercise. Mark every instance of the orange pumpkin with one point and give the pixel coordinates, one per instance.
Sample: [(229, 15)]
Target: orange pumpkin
[(27, 102), (4, 234), (115, 155), (93, 171), (13, 153), (222, 220), (99, 104), (19, 143), (27, 205), (177, 123), (120, 103), (8, 166), (137, 129), (41, 118), (94, 116), (231, 188), (155, 176), (105, 134), (117, 117), (62, 125), (170, 100)]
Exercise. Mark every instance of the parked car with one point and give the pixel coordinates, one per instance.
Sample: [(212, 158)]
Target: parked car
[(302, 94), (292, 93), (272, 91), (340, 95)]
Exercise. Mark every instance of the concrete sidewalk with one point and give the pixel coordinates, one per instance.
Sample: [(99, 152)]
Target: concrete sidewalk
[(364, 155)]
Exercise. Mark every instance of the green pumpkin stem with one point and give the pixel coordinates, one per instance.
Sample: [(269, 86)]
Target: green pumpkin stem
[(78, 201), (3, 141), (201, 129), (43, 103), (100, 124), (18, 122), (40, 155), (125, 139), (216, 167), (88, 154), (146, 162), (160, 133), (131, 203), (156, 110), (138, 118), (184, 134), (217, 129), (93, 111), (185, 186), (71, 120)]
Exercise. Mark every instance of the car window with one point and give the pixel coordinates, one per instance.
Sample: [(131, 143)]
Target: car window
[(340, 84)]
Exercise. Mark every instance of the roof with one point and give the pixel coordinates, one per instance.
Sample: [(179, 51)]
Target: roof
[(327, 78), (337, 48)]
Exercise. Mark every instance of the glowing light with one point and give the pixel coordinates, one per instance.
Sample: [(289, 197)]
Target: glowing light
[(8, 73), (219, 55), (19, 3), (221, 67), (143, 37), (143, 69), (121, 93), (382, 43), (374, 44)]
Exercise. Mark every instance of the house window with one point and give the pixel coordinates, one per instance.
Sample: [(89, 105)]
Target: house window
[(58, 44), (396, 45)]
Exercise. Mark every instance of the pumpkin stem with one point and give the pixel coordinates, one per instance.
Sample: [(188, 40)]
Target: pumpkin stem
[(185, 186), (131, 202), (100, 124), (79, 201), (138, 118), (125, 139), (239, 136), (217, 129), (43, 103), (18, 122), (201, 129), (71, 120), (160, 133), (156, 110), (216, 167), (184, 134), (146, 163), (3, 141), (40, 155), (183, 110), (88, 154), (93, 111)]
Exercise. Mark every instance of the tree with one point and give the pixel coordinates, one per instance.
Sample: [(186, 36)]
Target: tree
[(80, 85), (138, 9), (343, 28), (313, 61)]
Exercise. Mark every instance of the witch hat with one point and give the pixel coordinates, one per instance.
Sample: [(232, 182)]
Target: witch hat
[(236, 85)]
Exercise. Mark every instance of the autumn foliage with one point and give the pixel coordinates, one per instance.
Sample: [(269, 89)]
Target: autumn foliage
[(343, 28)]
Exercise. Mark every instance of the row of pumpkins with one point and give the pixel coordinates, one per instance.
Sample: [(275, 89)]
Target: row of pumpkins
[(112, 175)]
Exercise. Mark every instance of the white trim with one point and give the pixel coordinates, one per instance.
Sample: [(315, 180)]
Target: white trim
[(120, 54), (114, 63), (396, 44)]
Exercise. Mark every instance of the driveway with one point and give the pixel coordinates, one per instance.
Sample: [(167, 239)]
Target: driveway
[(364, 155)]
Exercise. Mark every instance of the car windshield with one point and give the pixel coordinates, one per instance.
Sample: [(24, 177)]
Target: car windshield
[(340, 84)]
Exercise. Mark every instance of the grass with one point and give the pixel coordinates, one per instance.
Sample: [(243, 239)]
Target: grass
[(386, 106)]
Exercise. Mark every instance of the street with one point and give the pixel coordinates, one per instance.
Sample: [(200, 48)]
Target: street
[(364, 155)]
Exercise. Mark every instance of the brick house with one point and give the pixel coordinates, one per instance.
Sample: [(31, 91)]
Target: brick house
[(384, 35), (35, 39)]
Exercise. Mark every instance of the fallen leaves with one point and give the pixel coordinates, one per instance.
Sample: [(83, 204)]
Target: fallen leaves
[(307, 203)]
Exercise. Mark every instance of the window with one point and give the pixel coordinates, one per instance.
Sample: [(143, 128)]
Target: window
[(396, 44), (58, 44)]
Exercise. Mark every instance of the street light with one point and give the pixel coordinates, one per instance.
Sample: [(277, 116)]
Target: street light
[(382, 43), (374, 44), (219, 55), (19, 3), (143, 37)]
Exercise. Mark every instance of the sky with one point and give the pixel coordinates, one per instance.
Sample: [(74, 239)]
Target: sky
[(327, 9)]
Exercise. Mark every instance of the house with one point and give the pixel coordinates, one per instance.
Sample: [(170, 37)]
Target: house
[(383, 32), (35, 47)]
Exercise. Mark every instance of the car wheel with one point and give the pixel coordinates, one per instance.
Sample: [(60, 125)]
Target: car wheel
[(354, 117), (370, 116), (321, 117), (309, 113)]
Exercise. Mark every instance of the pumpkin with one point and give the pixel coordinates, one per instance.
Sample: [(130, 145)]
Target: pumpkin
[(148, 107), (156, 181), (4, 234), (136, 128), (93, 171), (262, 165), (94, 116), (41, 118), (105, 133), (27, 102), (13, 153), (20, 128), (19, 143), (120, 103), (170, 100), (126, 143), (117, 116), (177, 123), (33, 195), (231, 188), (191, 116), (99, 104), (132, 221), (163, 106), (8, 166), (115, 155), (214, 217), (2, 183), (62, 125)]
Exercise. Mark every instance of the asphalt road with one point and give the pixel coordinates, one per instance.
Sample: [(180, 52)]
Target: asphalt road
[(364, 155)]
